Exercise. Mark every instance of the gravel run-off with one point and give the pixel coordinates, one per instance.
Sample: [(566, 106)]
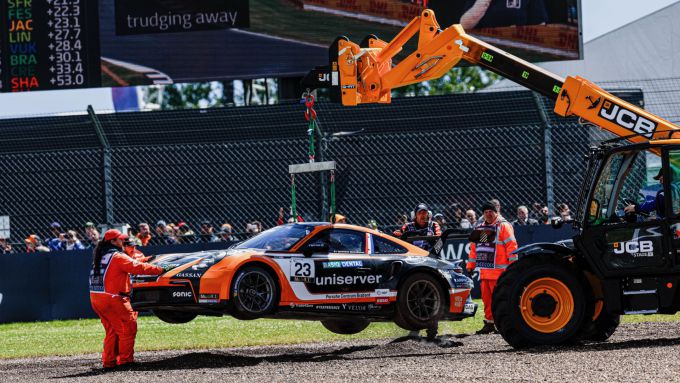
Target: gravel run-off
[(636, 352)]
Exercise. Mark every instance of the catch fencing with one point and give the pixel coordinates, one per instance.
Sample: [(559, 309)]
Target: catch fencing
[(231, 164)]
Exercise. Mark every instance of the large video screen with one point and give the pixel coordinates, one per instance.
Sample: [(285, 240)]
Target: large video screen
[(64, 44)]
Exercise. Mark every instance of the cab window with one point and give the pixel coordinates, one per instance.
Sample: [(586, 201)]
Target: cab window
[(385, 246), (626, 179), (674, 184)]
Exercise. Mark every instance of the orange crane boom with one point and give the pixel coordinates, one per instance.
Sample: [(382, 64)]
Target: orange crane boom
[(360, 74)]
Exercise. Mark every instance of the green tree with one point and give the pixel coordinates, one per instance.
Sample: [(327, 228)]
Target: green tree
[(184, 96), (457, 80), (211, 94)]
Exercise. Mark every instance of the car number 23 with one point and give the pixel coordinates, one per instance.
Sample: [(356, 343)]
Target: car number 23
[(302, 270)]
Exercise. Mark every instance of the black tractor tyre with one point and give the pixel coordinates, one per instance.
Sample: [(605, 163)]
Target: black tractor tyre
[(421, 303), (600, 329), (254, 293), (174, 317), (345, 326), (555, 299)]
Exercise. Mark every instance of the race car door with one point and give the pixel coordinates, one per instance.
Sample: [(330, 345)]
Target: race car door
[(343, 270)]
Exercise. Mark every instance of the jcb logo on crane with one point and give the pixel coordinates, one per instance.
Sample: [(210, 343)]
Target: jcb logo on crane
[(627, 119), (635, 248)]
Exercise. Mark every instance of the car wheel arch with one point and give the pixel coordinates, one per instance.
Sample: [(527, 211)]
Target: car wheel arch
[(273, 272)]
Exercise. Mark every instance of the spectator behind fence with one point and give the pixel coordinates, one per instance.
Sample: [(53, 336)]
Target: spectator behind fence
[(5, 246), (54, 243), (536, 211), (523, 217), (225, 233), (207, 232), (34, 245), (497, 204), (170, 235), (91, 235), (339, 218), (130, 248), (544, 216), (253, 228), (439, 218), (144, 234), (565, 212), (160, 228), (469, 221), (280, 219), (373, 224), (454, 215), (185, 234), (71, 241)]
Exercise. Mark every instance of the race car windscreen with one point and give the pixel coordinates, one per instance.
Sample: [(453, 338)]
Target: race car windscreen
[(280, 238)]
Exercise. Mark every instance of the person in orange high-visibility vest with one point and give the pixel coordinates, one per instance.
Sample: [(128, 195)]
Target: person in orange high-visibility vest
[(110, 288), (491, 253)]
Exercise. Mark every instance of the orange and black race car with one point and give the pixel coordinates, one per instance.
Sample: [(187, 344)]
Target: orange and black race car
[(343, 275)]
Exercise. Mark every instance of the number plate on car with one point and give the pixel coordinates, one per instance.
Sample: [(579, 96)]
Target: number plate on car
[(302, 270)]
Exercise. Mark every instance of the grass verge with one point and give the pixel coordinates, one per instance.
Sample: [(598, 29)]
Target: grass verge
[(73, 337), (23, 340)]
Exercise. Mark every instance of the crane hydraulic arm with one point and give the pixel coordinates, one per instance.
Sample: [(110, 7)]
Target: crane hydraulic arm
[(359, 74)]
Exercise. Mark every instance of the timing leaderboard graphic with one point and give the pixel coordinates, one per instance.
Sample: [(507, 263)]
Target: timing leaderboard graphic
[(49, 44)]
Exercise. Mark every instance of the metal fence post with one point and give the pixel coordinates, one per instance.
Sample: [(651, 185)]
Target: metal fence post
[(106, 170), (547, 153), (323, 195)]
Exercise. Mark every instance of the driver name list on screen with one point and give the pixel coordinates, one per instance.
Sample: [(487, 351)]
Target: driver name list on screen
[(46, 45)]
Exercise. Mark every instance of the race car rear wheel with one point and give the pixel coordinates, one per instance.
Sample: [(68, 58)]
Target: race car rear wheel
[(174, 316), (421, 303), (254, 293), (345, 326)]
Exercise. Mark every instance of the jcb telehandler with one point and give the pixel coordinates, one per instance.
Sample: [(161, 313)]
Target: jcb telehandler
[(623, 260)]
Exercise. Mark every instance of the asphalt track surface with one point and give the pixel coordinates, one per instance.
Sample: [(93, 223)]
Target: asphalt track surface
[(641, 352)]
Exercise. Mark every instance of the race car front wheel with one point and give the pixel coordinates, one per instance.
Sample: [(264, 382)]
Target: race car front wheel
[(421, 302), (345, 326), (254, 293), (168, 316)]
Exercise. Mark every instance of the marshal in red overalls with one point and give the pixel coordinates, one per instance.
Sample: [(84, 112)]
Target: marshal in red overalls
[(110, 297)]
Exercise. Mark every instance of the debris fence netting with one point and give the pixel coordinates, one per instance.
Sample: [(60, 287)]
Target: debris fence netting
[(231, 164)]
